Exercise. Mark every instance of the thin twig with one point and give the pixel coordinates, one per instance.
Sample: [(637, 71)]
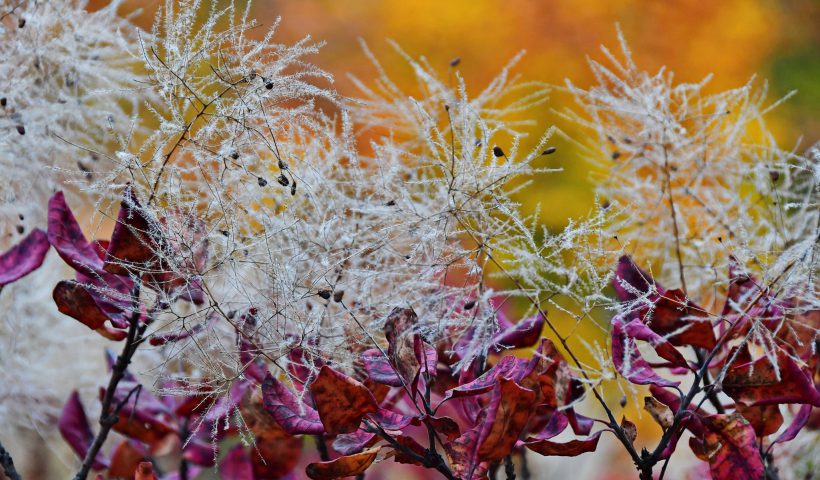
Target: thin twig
[(109, 415), (7, 463)]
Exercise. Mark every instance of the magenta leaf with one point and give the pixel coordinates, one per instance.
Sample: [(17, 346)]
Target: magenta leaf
[(66, 236), (24, 257), (293, 416), (800, 420), (236, 465), (355, 442), (523, 334), (379, 369), (628, 360), (76, 430)]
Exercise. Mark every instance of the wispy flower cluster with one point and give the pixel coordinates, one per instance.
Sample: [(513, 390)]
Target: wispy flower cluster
[(67, 79)]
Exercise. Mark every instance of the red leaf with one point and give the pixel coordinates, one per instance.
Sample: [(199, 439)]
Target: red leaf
[(276, 452), (23, 258), (758, 382), (765, 419), (568, 449), (125, 459), (730, 447), (292, 415), (672, 315), (411, 445), (507, 415), (347, 466), (74, 299), (445, 426), (76, 430), (341, 401), (145, 471), (132, 243)]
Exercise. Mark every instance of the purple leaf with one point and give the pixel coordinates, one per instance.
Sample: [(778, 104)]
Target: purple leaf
[(66, 236), (509, 367), (523, 334), (640, 331), (568, 449), (23, 258), (355, 442), (76, 430), (628, 360), (293, 416), (379, 369), (800, 420)]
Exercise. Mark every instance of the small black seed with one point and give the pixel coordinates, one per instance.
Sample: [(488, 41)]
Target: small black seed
[(454, 62), (497, 151), (611, 140), (21, 229), (283, 180), (627, 140), (21, 129), (21, 216), (616, 155), (282, 165), (774, 175), (391, 203), (21, 23), (224, 233), (605, 204), (549, 151), (269, 85), (469, 305), (261, 181), (337, 296), (235, 155), (324, 294), (623, 401), (3, 102), (293, 188)]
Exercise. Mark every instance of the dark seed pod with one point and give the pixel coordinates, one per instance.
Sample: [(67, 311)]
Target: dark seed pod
[(269, 85), (293, 188), (549, 151), (224, 233), (261, 181), (623, 401), (337, 296), (454, 62), (235, 155), (497, 151), (391, 203), (616, 155), (282, 165), (21, 216), (21, 23), (774, 175), (283, 180), (605, 204), (469, 305), (324, 294), (3, 102), (21, 129), (21, 229)]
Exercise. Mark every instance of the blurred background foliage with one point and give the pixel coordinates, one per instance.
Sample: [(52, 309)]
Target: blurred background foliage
[(777, 40)]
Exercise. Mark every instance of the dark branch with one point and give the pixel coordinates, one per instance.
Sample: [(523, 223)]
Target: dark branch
[(7, 464)]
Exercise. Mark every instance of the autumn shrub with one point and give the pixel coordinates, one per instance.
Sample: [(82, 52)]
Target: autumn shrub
[(294, 269)]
